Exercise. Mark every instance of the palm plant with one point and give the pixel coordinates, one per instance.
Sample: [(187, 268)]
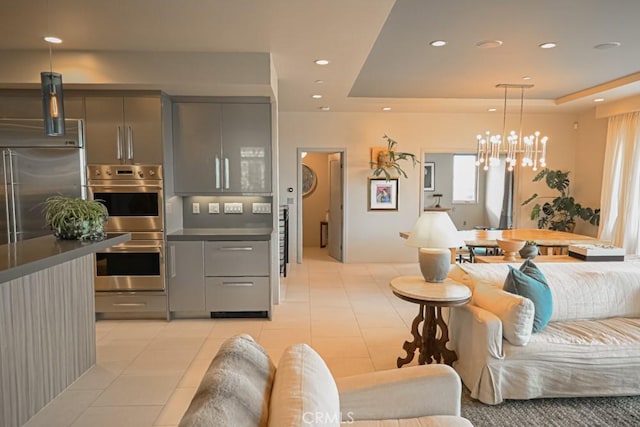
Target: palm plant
[(561, 212)]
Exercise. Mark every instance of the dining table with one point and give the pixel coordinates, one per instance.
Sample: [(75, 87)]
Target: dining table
[(550, 242)]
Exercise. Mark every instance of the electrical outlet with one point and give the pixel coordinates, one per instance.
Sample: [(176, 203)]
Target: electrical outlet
[(261, 208), (214, 208), (233, 208), (195, 208)]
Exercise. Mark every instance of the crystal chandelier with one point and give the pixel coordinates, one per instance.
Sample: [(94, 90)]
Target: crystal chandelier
[(531, 149)]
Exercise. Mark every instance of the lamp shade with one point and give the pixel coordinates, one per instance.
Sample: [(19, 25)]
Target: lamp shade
[(434, 230)]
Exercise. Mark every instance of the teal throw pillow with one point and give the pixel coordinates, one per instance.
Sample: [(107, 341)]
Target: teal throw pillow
[(532, 270), (531, 287)]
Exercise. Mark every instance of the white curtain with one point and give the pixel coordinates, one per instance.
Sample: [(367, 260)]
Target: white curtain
[(494, 190), (620, 200)]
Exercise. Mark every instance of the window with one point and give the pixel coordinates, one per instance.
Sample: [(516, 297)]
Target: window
[(465, 178)]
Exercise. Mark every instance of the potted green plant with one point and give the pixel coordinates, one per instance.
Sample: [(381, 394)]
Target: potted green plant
[(529, 250), (561, 212), (388, 160), (73, 218)]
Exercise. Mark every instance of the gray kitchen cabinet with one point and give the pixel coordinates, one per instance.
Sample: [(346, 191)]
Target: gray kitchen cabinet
[(222, 147), (197, 144), (28, 105), (124, 130), (237, 276), (228, 294), (186, 276)]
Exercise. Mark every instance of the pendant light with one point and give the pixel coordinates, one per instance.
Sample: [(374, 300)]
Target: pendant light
[(531, 149), (52, 96)]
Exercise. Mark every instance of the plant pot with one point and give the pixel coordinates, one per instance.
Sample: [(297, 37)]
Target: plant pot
[(82, 230), (529, 251)]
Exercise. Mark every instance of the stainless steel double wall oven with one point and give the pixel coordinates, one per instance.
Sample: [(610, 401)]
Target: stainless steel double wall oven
[(133, 197)]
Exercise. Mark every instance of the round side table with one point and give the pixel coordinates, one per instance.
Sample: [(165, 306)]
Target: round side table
[(431, 297)]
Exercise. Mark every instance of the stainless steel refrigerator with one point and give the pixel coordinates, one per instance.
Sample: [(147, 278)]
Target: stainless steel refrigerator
[(33, 167)]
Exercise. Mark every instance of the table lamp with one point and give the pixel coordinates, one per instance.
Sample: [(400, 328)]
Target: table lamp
[(434, 233)]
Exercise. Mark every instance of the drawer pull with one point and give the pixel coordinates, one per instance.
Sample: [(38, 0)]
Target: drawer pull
[(236, 249), (129, 304), (237, 284)]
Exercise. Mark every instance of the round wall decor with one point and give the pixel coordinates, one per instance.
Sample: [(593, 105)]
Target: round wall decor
[(309, 180)]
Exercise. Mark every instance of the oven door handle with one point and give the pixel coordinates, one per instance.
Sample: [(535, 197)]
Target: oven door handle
[(148, 249), (95, 187), (234, 249), (237, 284)]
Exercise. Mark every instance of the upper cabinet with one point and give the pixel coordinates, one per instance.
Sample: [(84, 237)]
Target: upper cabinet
[(123, 130), (221, 147)]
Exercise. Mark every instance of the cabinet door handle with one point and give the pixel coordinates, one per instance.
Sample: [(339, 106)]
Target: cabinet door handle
[(129, 143), (237, 284), (118, 144), (226, 173), (172, 261), (248, 248), (129, 304), (217, 172)]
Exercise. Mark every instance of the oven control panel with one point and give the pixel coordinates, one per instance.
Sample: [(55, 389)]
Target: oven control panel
[(128, 172)]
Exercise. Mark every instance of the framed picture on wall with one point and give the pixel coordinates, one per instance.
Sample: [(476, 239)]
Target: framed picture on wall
[(383, 194), (429, 176)]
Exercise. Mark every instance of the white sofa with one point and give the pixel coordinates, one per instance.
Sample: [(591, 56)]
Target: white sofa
[(243, 388), (591, 346)]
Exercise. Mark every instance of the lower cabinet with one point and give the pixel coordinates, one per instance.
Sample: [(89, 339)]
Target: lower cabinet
[(219, 276), (237, 293), (186, 276)]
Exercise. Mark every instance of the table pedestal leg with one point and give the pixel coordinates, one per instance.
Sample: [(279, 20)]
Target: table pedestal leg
[(411, 346), (433, 349)]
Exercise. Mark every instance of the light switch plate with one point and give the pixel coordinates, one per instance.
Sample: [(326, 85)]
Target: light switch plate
[(261, 208), (233, 208), (195, 208), (214, 208)]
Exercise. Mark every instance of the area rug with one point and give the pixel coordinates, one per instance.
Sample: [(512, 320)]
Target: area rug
[(561, 412)]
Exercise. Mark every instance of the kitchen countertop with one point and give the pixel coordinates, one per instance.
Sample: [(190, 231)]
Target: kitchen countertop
[(29, 256), (224, 234)]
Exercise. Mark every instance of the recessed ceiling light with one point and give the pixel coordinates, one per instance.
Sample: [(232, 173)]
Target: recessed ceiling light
[(324, 108), (547, 45), (491, 110), (607, 45), (321, 61), (386, 108), (598, 100), (489, 44), (316, 96), (526, 77), (438, 43), (319, 82), (53, 39)]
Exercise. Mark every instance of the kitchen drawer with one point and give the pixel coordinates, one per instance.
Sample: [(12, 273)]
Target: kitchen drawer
[(242, 258), (120, 303), (237, 294)]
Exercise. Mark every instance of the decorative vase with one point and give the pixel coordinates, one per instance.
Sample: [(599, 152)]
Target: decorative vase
[(529, 251)]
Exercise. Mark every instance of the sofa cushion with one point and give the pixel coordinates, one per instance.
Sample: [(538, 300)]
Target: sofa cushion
[(514, 311), (304, 391), (430, 421), (529, 285), (581, 290), (236, 388)]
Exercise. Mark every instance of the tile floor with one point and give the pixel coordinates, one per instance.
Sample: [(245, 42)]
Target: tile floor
[(148, 371)]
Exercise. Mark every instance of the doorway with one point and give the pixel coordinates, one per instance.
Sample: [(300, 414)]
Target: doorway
[(321, 201)]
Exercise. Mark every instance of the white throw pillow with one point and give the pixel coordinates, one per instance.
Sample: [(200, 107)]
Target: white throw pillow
[(304, 391), (515, 312)]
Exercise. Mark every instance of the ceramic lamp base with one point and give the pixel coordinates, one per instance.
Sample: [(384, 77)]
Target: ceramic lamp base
[(434, 264)]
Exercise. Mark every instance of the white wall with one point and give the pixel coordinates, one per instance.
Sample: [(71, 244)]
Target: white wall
[(373, 236)]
